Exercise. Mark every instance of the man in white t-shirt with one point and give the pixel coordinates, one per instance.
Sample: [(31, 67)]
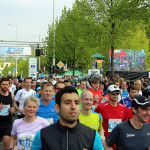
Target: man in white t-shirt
[(12, 87), (21, 96)]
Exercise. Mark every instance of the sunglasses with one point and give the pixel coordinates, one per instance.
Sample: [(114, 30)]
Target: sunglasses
[(114, 93)]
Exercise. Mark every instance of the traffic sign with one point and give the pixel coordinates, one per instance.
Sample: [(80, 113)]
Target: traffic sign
[(60, 64)]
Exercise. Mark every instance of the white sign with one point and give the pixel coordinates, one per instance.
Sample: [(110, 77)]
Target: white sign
[(60, 64), (15, 51), (93, 71), (33, 67), (9, 72)]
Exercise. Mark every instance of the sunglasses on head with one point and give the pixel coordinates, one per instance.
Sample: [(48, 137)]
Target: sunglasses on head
[(115, 93)]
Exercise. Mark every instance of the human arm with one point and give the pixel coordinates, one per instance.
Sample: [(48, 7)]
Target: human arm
[(17, 108), (13, 141), (100, 129), (106, 147), (17, 99), (11, 110), (37, 145)]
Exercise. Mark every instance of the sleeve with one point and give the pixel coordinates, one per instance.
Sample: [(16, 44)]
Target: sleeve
[(121, 101), (100, 123), (113, 136), (17, 96), (97, 142), (37, 145), (97, 109)]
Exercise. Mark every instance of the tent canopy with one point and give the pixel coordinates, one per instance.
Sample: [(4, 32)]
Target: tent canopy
[(98, 56)]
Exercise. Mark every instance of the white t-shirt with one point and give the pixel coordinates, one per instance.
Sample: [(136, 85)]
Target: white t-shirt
[(26, 131), (12, 88), (21, 96)]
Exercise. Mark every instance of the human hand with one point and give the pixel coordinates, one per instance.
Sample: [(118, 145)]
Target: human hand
[(11, 110), (21, 111), (96, 97), (1, 106)]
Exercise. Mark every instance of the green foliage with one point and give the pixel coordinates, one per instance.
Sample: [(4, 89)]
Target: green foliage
[(22, 65), (96, 26)]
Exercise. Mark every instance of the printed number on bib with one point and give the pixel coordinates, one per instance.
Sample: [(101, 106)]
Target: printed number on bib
[(5, 110), (25, 141), (112, 124)]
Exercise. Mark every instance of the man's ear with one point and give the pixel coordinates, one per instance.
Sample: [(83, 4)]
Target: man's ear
[(134, 110), (57, 108)]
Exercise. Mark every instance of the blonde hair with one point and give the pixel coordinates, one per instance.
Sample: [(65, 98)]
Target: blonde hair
[(32, 99)]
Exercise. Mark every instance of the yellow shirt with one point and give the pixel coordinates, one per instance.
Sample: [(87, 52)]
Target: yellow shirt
[(94, 120)]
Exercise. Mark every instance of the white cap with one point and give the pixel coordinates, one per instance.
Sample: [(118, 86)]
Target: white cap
[(54, 82), (112, 88), (57, 77)]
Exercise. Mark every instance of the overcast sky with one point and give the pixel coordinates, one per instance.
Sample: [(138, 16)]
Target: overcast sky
[(30, 16)]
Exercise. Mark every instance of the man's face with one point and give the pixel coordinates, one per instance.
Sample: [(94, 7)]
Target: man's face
[(95, 86), (117, 84), (142, 114), (27, 83), (4, 86), (123, 85), (83, 85), (101, 86), (138, 85), (87, 101), (59, 86), (113, 96), (69, 108), (47, 93), (15, 81), (132, 93)]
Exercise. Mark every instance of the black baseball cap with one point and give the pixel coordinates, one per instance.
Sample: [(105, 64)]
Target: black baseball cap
[(140, 101)]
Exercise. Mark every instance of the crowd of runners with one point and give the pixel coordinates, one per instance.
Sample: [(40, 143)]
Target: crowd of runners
[(57, 114)]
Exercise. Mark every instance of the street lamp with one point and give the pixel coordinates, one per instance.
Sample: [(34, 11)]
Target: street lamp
[(16, 29), (54, 37)]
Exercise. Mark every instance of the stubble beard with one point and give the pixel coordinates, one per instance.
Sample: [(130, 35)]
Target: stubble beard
[(69, 121), (4, 90)]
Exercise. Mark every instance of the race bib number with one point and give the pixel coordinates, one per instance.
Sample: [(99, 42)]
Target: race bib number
[(112, 124), (5, 110), (25, 141), (50, 120)]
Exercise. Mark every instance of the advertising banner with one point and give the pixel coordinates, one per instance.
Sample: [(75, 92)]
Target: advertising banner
[(129, 60), (15, 51), (33, 67)]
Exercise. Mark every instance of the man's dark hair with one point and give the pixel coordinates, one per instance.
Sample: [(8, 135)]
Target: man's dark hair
[(4, 79), (144, 84), (95, 80), (82, 81), (59, 94), (66, 81), (46, 84), (131, 87), (26, 78), (58, 82)]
